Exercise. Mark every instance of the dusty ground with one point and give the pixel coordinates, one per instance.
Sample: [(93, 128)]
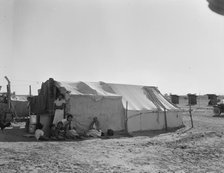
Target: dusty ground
[(200, 149)]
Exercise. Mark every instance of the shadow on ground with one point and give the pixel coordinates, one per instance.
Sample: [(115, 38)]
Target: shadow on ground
[(20, 135), (219, 116), (14, 135)]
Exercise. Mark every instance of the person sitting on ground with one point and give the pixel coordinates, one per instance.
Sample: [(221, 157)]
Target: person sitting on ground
[(59, 107), (39, 133), (94, 128), (60, 131), (52, 131), (70, 130)]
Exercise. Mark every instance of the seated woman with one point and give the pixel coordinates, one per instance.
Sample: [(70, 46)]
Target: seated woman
[(70, 130), (94, 128)]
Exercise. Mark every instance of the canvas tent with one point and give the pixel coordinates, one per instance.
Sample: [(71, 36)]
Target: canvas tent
[(174, 99), (147, 108), (19, 105)]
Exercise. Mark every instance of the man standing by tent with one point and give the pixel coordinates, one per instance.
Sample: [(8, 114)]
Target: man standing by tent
[(59, 107)]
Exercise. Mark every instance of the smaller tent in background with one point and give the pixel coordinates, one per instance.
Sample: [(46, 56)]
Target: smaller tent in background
[(20, 105), (192, 99), (174, 99)]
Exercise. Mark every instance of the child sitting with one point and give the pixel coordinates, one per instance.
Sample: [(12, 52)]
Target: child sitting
[(52, 131), (60, 131), (39, 133)]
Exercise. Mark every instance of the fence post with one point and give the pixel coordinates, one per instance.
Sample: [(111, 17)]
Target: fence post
[(190, 110)]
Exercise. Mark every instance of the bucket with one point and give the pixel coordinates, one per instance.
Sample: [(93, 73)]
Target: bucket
[(33, 119), (32, 128)]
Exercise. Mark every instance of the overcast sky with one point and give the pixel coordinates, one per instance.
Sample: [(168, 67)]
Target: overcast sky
[(176, 45)]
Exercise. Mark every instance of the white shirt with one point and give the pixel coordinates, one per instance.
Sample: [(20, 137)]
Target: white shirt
[(59, 102), (64, 121), (94, 126), (39, 133)]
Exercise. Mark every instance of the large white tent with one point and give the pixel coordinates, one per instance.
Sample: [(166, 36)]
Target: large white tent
[(144, 106)]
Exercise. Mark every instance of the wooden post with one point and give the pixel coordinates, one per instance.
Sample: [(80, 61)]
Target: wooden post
[(29, 106), (30, 90), (190, 110), (29, 100), (126, 118), (165, 117), (8, 93)]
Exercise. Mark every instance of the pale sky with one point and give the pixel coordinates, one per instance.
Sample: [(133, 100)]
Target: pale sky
[(176, 45)]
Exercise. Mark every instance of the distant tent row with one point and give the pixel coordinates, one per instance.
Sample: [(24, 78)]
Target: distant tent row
[(192, 99), (144, 106), (174, 99)]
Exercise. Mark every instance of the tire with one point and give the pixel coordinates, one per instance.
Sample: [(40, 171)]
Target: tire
[(217, 111)]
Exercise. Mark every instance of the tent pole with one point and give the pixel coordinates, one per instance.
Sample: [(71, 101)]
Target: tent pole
[(165, 117), (126, 118)]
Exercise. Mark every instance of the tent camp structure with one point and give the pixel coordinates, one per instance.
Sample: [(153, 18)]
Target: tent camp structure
[(18, 106), (117, 106)]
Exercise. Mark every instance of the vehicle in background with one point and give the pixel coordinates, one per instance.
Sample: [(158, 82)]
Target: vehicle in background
[(218, 108)]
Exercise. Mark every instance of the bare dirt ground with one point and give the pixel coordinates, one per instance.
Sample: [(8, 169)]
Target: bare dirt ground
[(187, 150)]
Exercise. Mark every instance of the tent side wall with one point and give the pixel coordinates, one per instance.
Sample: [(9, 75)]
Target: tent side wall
[(110, 112), (153, 120), (145, 121), (174, 119), (20, 107)]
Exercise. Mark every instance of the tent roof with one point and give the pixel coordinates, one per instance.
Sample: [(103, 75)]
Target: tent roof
[(85, 88), (141, 98), (22, 98)]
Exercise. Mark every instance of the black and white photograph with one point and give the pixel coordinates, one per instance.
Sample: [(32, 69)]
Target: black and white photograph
[(111, 86)]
